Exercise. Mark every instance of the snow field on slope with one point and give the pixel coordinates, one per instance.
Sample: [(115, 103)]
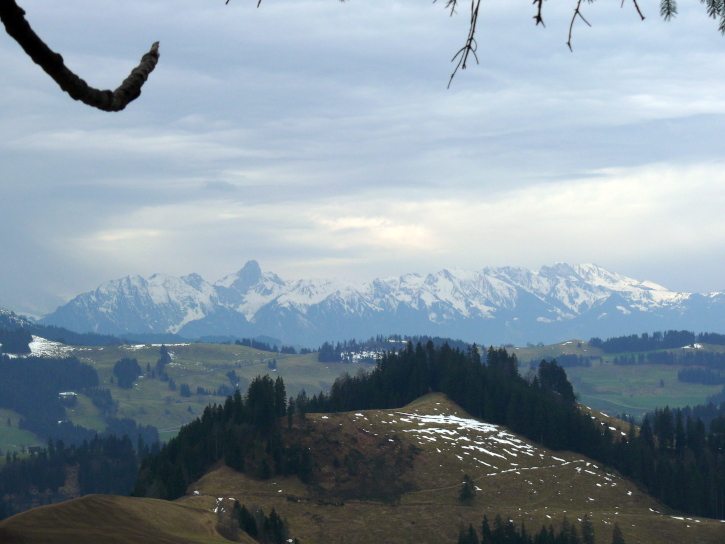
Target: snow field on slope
[(41, 347), (494, 456)]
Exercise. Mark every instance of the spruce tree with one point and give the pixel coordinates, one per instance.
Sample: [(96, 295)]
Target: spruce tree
[(486, 537), (587, 530), (468, 490), (468, 536), (617, 537)]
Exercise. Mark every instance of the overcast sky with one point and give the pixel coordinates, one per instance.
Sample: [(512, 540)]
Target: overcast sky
[(319, 138)]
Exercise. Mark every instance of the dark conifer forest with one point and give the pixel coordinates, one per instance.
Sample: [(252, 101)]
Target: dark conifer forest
[(30, 386), (15, 341), (506, 532), (105, 464)]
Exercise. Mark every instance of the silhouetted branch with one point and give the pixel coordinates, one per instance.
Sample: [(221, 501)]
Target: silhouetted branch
[(538, 17), (636, 6), (13, 17), (450, 4), (577, 12), (471, 45)]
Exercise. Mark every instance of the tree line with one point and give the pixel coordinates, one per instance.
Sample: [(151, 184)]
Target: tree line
[(568, 360), (690, 357), (343, 352), (705, 376), (506, 532), (656, 341)]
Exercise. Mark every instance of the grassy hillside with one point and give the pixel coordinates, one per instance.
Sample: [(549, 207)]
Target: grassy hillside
[(636, 389), (108, 519), (151, 402), (514, 477), (12, 438), (574, 347), (623, 389)]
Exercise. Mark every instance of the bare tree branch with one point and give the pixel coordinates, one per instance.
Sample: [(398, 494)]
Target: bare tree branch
[(573, 18), (470, 45), (538, 17), (13, 17)]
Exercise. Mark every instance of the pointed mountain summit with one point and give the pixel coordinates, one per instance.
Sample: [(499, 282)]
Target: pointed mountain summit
[(493, 305), (244, 279)]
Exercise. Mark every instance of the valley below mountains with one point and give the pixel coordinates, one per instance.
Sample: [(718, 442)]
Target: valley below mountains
[(488, 306)]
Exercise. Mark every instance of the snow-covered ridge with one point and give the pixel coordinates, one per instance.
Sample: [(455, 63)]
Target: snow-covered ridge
[(251, 302)]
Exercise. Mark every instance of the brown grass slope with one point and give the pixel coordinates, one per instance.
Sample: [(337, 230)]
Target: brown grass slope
[(108, 519), (417, 500)]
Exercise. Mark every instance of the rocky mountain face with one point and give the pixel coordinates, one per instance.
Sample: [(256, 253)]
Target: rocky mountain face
[(490, 306)]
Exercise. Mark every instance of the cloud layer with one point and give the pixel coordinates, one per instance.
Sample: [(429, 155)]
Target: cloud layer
[(320, 139)]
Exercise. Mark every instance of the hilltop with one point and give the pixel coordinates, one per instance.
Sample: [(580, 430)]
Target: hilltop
[(423, 451)]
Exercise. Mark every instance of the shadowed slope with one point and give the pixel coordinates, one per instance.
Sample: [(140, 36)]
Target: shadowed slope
[(108, 519)]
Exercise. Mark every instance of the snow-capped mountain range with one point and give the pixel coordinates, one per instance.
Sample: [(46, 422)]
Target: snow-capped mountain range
[(490, 306)]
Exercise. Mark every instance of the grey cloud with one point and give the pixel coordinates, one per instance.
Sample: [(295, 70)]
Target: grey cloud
[(289, 113)]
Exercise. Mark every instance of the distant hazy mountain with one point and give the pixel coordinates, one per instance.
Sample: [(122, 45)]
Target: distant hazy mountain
[(493, 305)]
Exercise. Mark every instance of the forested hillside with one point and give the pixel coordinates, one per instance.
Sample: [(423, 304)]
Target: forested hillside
[(107, 464), (11, 322), (684, 469)]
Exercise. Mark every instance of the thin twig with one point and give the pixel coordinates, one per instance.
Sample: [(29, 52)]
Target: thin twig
[(639, 12), (470, 46), (573, 18), (13, 17)]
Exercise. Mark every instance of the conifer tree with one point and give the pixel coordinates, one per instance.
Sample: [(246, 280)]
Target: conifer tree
[(587, 530), (617, 537), (468, 490), (486, 537), (468, 536)]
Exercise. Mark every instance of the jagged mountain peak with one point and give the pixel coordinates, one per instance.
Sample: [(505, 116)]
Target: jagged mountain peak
[(247, 277), (9, 320)]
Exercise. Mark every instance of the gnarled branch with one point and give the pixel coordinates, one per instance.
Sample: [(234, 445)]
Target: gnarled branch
[(13, 17)]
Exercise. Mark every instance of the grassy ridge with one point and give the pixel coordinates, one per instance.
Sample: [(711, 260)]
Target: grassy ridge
[(624, 389)]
